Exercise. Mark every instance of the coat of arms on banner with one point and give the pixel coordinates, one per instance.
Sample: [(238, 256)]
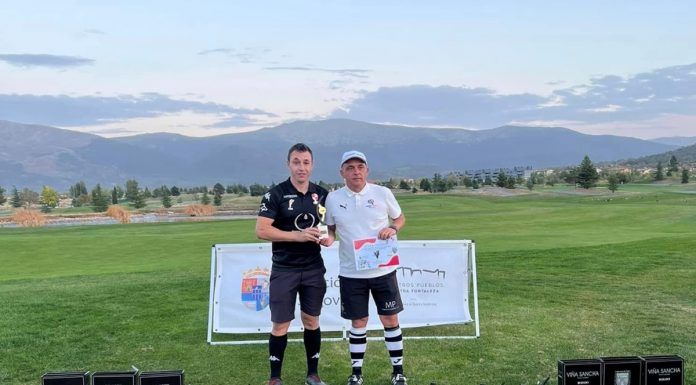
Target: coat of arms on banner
[(255, 284)]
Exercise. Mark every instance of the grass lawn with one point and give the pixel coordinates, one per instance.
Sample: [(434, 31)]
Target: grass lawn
[(560, 276)]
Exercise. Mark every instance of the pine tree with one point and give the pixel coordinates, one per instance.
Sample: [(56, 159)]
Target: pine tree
[(502, 179), (99, 201), (217, 199), (613, 183), (425, 184), (530, 184), (3, 199), (205, 199), (587, 175), (685, 176), (673, 164), (16, 201), (114, 196), (139, 201), (166, 199), (659, 174)]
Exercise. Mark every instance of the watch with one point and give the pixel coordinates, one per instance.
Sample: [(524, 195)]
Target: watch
[(394, 227)]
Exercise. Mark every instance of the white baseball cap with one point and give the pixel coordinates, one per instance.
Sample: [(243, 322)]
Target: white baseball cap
[(353, 155)]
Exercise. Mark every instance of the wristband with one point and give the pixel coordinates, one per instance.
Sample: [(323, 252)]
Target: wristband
[(394, 227)]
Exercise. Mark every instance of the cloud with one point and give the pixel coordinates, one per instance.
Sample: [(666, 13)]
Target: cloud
[(605, 99), (244, 55), (351, 72), (236, 122), (93, 31), (445, 105), (63, 110), (44, 60), (112, 131)]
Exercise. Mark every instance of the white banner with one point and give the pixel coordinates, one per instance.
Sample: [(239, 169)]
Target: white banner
[(433, 279)]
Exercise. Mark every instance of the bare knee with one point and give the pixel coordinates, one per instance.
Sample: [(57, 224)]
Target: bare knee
[(359, 323), (280, 329), (389, 321), (309, 321)]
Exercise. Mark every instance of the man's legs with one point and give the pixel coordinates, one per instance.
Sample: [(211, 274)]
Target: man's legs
[(357, 344), (277, 342), (394, 342), (355, 294), (283, 294), (312, 291)]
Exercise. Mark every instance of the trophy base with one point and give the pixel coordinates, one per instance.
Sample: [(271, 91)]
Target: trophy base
[(324, 231)]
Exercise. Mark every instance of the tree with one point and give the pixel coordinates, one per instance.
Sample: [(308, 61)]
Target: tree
[(175, 191), (166, 198), (78, 189), (114, 196), (218, 189), (139, 201), (659, 172), (586, 175), (685, 176), (530, 184), (147, 193), (256, 190), (502, 179), (414, 190), (3, 199), (16, 201), (132, 190), (217, 199), (29, 197), (613, 183), (404, 185), (425, 184), (475, 184), (100, 202), (673, 165), (205, 199), (49, 199)]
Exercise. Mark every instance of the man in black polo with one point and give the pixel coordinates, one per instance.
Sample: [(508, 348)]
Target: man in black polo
[(288, 217)]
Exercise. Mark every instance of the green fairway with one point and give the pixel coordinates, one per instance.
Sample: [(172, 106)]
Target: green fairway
[(561, 275)]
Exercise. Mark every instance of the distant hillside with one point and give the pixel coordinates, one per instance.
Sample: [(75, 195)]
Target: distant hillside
[(680, 141), (37, 155), (684, 155)]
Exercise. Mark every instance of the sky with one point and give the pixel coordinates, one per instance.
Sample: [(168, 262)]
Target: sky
[(213, 67)]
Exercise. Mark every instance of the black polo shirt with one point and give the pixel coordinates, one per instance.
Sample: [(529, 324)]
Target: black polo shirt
[(292, 210)]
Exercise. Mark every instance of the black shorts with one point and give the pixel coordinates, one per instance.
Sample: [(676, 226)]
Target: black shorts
[(355, 296), (284, 287)]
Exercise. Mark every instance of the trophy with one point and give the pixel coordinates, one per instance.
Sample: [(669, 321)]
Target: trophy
[(323, 228)]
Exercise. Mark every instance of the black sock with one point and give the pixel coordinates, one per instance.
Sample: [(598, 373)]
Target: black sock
[(312, 343), (395, 346), (276, 350)]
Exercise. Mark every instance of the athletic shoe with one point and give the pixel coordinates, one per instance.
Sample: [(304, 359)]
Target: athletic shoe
[(399, 379), (313, 379), (275, 381), (355, 379)]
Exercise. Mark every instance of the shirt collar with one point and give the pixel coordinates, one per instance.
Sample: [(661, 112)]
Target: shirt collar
[(351, 193)]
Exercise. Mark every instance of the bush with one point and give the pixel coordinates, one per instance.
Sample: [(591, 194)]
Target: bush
[(118, 213), (199, 210), (29, 218)]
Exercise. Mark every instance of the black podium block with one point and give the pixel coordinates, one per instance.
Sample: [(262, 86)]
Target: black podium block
[(165, 377), (662, 370), (113, 378), (65, 378), (579, 372), (621, 370)]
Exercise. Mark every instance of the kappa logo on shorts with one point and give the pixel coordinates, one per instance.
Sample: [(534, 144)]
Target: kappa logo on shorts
[(255, 285)]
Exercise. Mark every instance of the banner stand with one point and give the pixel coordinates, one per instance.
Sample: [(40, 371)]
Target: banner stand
[(473, 292)]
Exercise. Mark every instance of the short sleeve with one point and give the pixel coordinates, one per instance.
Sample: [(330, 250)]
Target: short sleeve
[(329, 209), (269, 205), (393, 208)]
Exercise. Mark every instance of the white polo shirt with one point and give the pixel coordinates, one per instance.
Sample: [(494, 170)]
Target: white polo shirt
[(357, 216)]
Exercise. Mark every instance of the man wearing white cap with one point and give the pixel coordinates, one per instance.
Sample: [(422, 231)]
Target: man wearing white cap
[(362, 210)]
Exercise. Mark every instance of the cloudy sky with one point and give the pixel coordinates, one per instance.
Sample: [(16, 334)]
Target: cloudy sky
[(212, 67)]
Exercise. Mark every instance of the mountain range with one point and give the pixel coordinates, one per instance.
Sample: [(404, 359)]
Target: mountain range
[(33, 155)]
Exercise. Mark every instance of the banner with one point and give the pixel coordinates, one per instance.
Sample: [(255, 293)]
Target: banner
[(433, 276)]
